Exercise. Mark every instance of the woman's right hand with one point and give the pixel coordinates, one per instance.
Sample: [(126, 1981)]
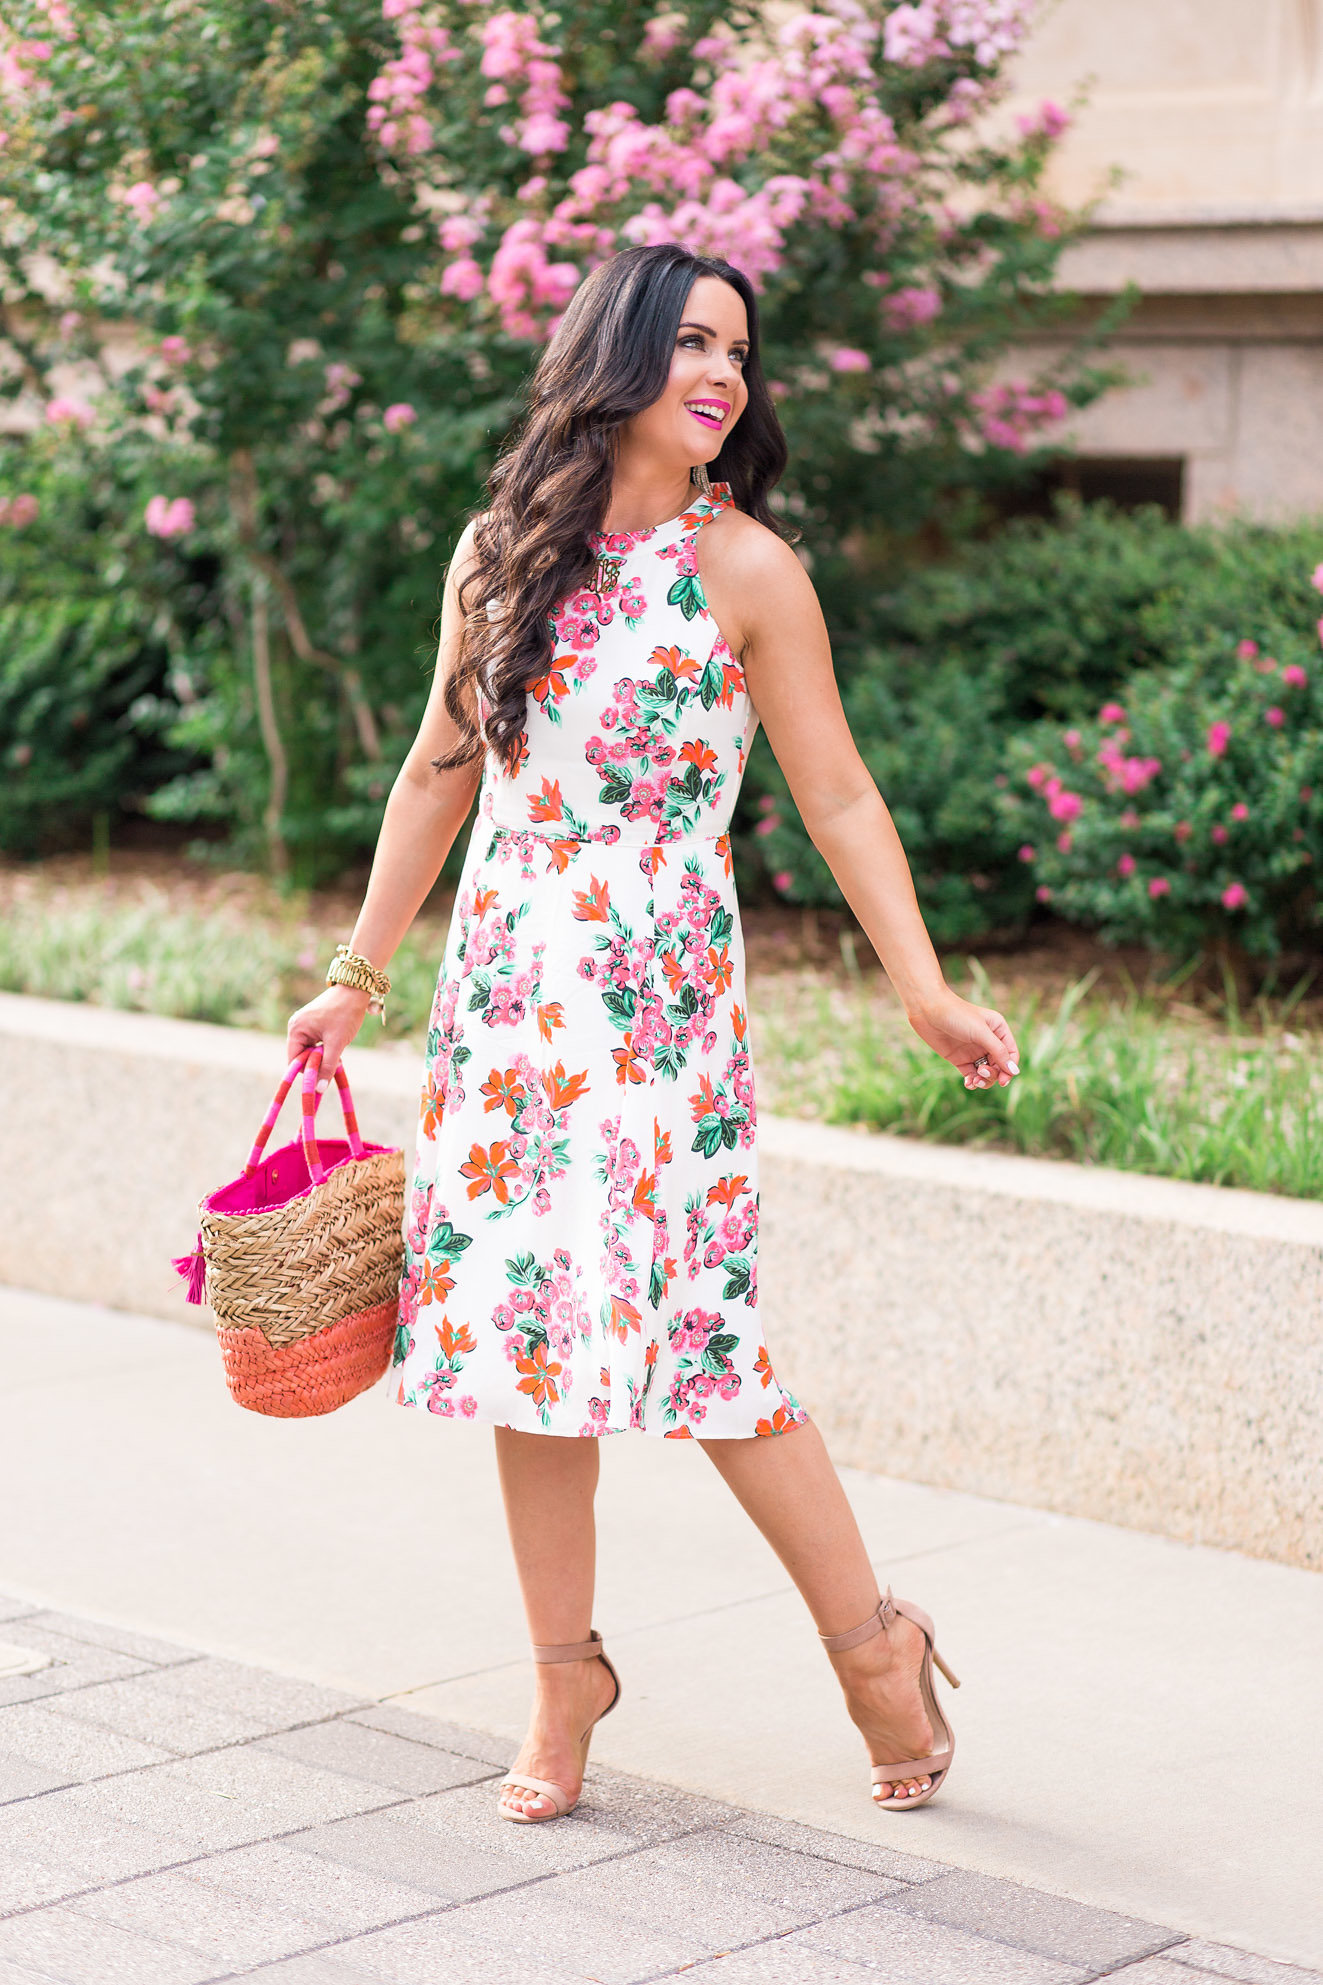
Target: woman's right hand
[(331, 1020)]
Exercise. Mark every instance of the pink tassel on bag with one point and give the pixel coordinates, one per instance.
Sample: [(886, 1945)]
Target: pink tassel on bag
[(193, 1268)]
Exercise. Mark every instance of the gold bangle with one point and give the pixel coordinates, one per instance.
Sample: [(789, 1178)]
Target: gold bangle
[(350, 968)]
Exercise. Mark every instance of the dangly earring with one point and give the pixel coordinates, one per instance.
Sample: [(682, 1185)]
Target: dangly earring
[(699, 475)]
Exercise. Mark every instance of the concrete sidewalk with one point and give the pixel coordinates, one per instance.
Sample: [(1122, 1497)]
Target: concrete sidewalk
[(1140, 1728), (168, 1818)]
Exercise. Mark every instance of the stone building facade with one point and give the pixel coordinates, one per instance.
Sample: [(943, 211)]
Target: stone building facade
[(1213, 111)]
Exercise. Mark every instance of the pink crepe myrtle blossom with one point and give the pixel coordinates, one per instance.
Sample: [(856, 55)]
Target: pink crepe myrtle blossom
[(1111, 713), (16, 511), (1065, 805), (69, 322), (1065, 842), (65, 411), (1182, 830), (782, 881), (1240, 811), (1219, 737), (1048, 121), (1159, 886), (1275, 716), (1246, 650), (463, 278), (1028, 853), (846, 358), (1221, 834), (1130, 819), (1122, 774), (398, 416), (1042, 894), (142, 199), (1294, 677), (169, 519), (1072, 740), (175, 350), (1316, 578), (908, 309), (1235, 896), (1125, 865), (1037, 775)]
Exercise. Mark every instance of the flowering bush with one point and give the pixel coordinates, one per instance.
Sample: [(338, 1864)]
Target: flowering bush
[(1193, 810), (326, 241)]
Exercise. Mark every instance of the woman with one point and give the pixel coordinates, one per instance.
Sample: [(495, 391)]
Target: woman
[(581, 1251)]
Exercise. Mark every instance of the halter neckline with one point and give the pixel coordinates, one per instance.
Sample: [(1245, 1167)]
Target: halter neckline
[(720, 493)]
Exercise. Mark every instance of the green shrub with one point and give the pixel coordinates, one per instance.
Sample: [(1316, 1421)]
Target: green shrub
[(1193, 812), (949, 693)]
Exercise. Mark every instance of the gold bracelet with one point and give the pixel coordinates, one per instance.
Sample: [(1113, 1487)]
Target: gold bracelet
[(350, 968)]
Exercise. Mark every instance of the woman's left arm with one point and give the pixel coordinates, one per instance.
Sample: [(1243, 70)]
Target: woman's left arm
[(787, 662)]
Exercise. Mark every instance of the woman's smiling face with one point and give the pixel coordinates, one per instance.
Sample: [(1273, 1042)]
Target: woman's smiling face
[(705, 393)]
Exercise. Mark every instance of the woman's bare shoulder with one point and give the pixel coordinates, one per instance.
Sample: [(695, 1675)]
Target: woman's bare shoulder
[(753, 566)]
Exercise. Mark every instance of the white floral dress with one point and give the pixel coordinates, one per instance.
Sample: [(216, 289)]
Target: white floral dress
[(582, 1233)]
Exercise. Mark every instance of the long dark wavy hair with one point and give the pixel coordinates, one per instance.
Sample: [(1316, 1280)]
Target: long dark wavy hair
[(609, 359)]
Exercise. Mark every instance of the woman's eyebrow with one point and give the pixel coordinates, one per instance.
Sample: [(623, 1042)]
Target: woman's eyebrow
[(690, 325)]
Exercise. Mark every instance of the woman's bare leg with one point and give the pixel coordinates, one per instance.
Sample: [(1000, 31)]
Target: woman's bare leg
[(787, 1484), (548, 1483)]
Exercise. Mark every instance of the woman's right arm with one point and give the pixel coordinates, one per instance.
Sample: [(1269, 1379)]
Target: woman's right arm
[(424, 813)]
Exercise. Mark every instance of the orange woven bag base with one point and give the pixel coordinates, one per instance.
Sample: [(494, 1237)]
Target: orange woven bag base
[(316, 1373)]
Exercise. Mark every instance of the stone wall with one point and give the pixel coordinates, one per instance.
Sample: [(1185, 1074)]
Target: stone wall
[(1129, 1349)]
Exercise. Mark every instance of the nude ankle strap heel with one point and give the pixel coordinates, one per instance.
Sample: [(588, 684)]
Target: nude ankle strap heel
[(936, 1766), (520, 1781)]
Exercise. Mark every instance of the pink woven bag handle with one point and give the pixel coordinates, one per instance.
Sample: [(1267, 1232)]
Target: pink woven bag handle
[(310, 1061)]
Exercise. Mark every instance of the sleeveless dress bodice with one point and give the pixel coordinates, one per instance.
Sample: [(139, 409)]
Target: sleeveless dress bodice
[(581, 1237)]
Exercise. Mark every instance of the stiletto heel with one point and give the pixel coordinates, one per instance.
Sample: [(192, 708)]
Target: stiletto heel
[(936, 1766), (519, 1781)]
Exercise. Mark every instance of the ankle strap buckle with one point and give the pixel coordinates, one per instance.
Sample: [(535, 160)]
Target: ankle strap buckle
[(876, 1623)]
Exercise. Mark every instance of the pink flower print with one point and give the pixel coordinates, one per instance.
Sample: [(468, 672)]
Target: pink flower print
[(1219, 736), (1235, 896), (468, 1406)]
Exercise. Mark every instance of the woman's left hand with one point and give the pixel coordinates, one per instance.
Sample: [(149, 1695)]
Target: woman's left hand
[(974, 1039)]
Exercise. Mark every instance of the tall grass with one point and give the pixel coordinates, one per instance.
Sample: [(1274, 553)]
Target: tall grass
[(150, 956), (1108, 1083)]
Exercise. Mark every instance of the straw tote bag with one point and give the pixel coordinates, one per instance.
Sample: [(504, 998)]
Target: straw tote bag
[(300, 1258)]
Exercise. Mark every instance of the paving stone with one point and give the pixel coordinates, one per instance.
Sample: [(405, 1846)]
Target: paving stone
[(493, 1942), (453, 1850), (21, 1780), (67, 1830), (872, 1855), (401, 1722), (335, 1967), (121, 1640), (80, 1661), (724, 1866), (1031, 1920), (911, 1951), (15, 1609), (187, 1819), (342, 1898), (40, 1737), (231, 1932), (28, 1883), (19, 1974), (374, 1756), (1224, 1962), (227, 1798), (650, 1813), (783, 1961), (1161, 1971), (277, 1702), (81, 1952), (155, 1715)]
